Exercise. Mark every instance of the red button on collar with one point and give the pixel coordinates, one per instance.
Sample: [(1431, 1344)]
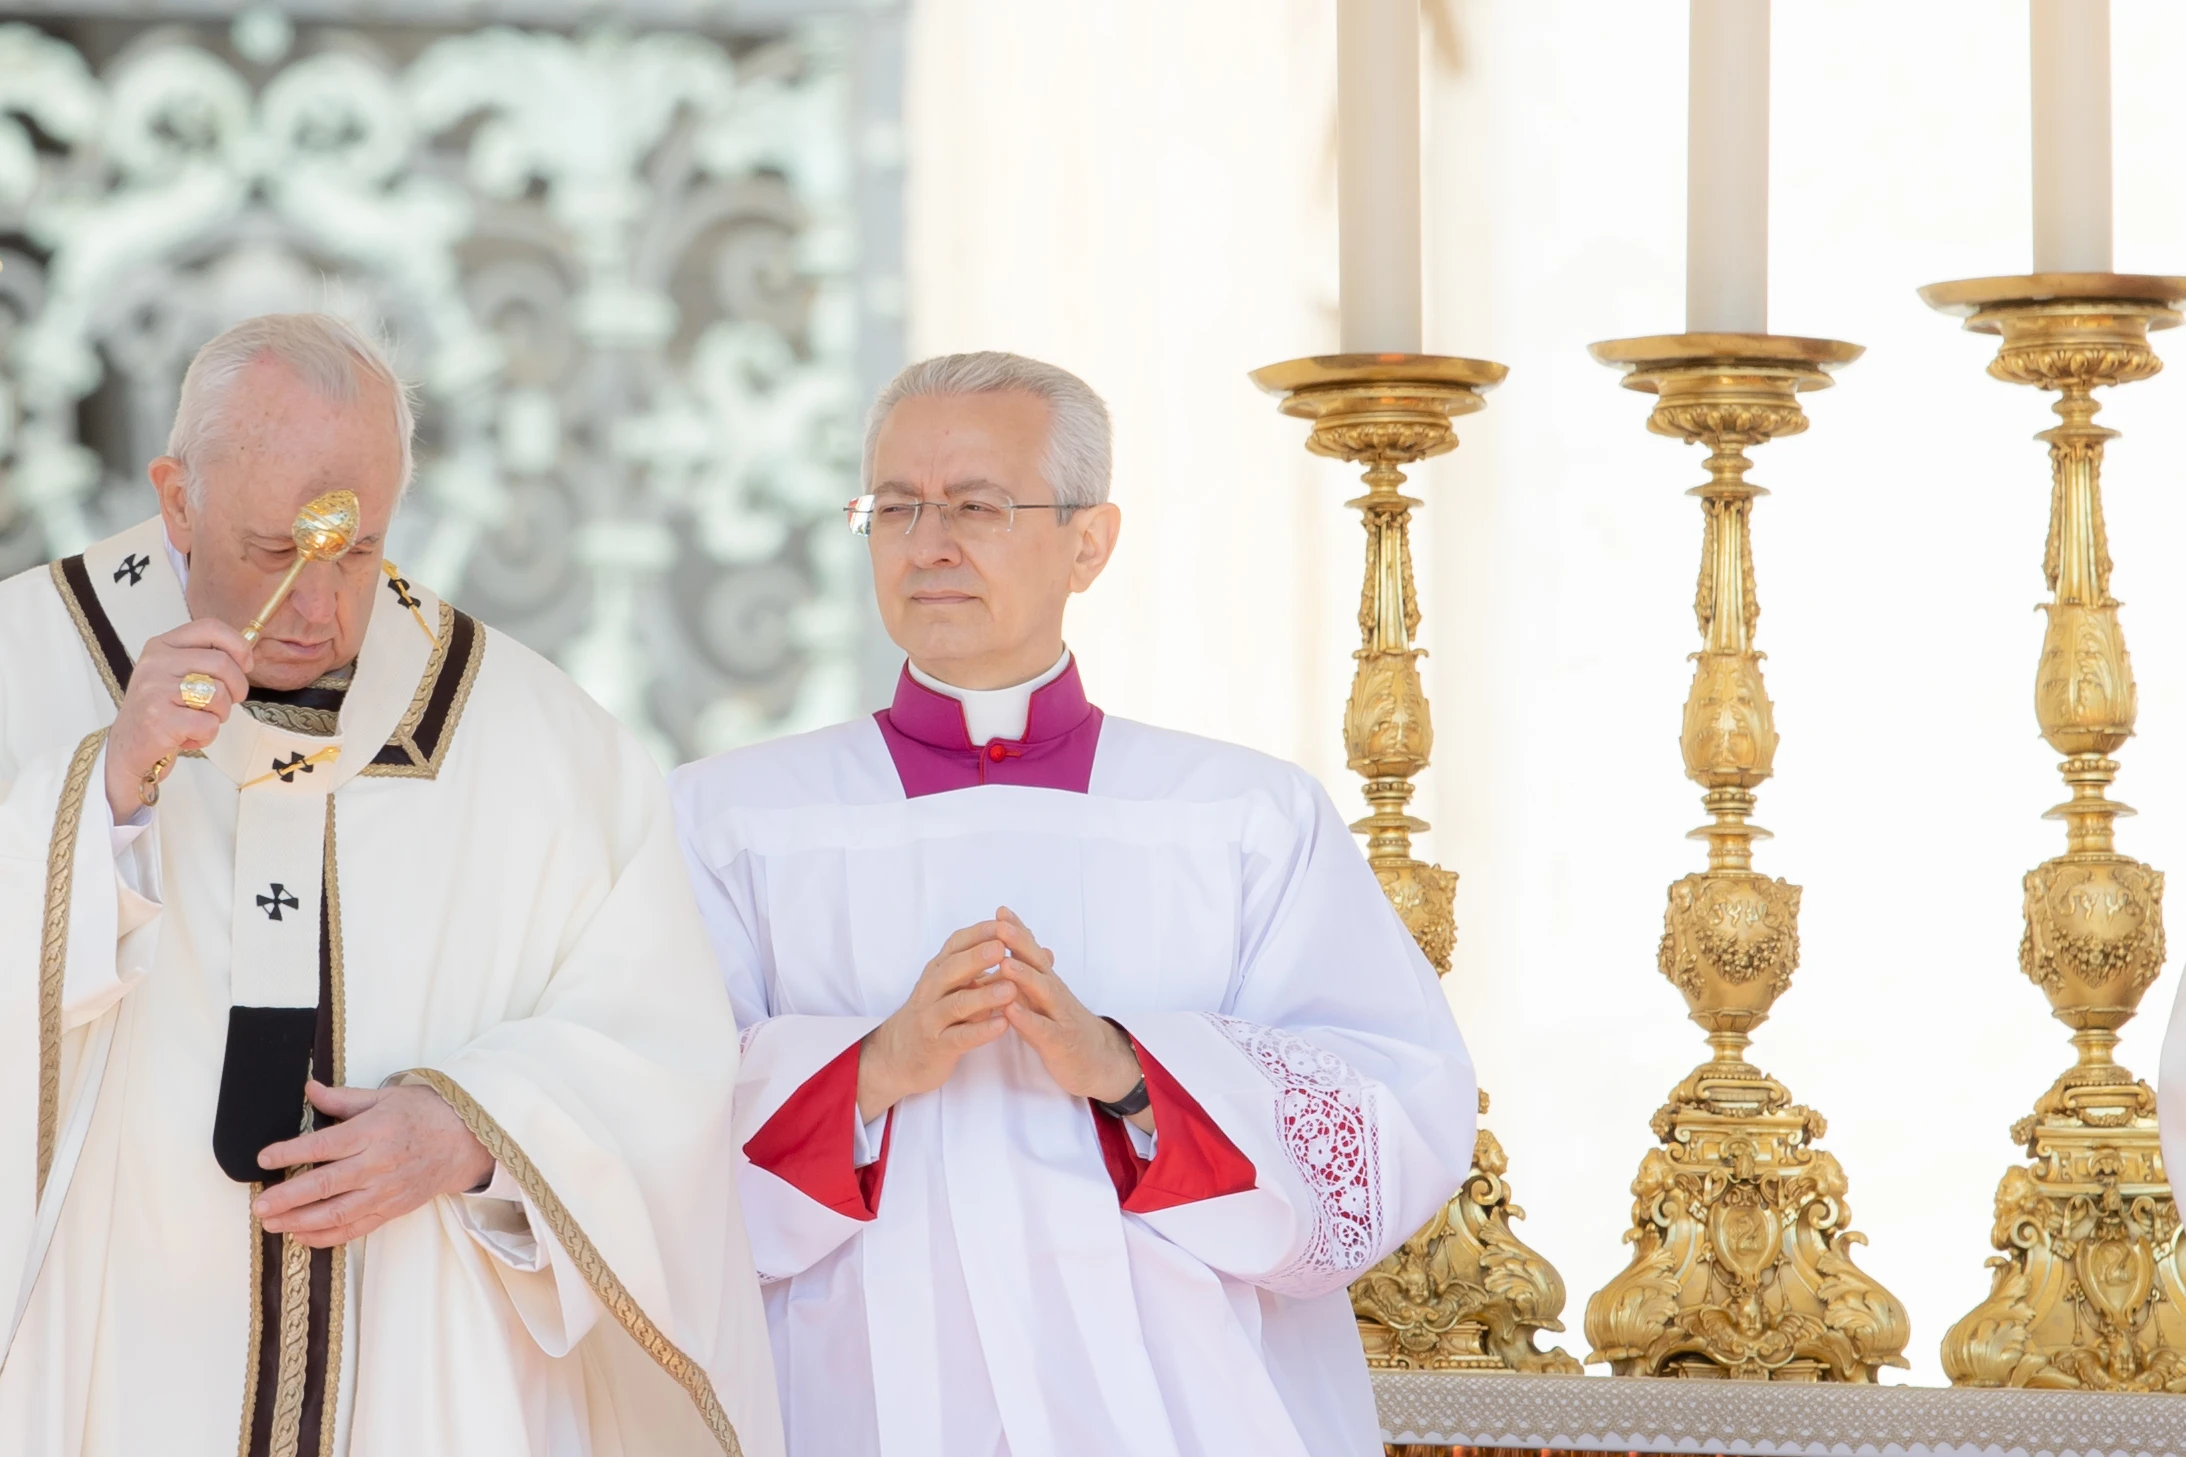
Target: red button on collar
[(996, 752)]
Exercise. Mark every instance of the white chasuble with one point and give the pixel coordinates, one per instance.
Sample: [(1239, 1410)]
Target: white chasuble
[(470, 881), (998, 1268)]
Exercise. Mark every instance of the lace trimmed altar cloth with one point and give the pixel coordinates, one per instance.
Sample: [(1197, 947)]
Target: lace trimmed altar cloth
[(1631, 1414)]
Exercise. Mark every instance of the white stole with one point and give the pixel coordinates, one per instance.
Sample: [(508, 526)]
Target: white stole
[(284, 840)]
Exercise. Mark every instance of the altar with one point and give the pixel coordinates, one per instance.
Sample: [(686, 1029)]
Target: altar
[(1629, 1414)]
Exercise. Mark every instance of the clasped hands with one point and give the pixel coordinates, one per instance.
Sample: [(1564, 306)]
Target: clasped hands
[(990, 979), (397, 1148)]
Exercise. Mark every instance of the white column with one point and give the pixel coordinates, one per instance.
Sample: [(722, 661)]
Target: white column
[(1377, 173), (2071, 53), (1727, 169)]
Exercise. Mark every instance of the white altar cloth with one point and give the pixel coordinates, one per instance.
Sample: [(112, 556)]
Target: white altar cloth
[(1630, 1414)]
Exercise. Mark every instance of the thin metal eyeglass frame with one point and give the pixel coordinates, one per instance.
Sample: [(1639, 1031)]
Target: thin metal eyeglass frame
[(862, 507)]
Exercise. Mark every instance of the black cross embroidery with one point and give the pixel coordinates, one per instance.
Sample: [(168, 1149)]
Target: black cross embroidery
[(288, 772), (132, 566), (401, 589), (279, 901)]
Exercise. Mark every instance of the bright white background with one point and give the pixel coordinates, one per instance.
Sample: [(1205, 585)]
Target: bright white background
[(1143, 191)]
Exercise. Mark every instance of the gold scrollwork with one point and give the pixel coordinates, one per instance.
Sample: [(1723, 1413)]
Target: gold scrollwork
[(1723, 933), (1386, 727), (1742, 1252), (2081, 366), (2098, 922), (1464, 1293), (1742, 1263), (2084, 695), (2090, 1289), (2087, 1288), (1424, 897)]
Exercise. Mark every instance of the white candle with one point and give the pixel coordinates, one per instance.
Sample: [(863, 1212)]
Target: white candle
[(1727, 169), (1377, 173), (2071, 49)]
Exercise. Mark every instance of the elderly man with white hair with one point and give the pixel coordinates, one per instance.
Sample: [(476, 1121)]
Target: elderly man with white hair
[(1085, 1063), (363, 1073)]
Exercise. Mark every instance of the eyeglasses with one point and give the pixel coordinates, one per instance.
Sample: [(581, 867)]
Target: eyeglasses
[(981, 517)]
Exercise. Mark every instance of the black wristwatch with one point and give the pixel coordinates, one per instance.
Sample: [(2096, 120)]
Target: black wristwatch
[(1135, 1101)]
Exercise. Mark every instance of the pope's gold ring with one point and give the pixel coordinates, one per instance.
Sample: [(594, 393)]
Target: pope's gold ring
[(197, 690)]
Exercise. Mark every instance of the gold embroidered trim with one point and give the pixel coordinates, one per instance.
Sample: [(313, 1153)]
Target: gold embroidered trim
[(318, 723), (686, 1372), (288, 1390), (423, 765), (462, 697), (321, 723), (406, 731), (85, 631), (53, 944), (332, 889), (257, 1325), (338, 1278), (337, 1299)]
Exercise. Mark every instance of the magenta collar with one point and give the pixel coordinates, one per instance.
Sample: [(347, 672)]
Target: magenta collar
[(933, 751)]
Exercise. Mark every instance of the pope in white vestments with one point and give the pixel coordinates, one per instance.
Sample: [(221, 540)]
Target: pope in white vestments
[(1085, 1063), (435, 890)]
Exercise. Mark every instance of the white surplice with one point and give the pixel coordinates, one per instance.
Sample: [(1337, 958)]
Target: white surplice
[(1001, 1301), (505, 919), (2171, 1098)]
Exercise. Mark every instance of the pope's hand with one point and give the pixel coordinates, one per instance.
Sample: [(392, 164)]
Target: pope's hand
[(153, 722), (1087, 1055), (394, 1149), (954, 1008)]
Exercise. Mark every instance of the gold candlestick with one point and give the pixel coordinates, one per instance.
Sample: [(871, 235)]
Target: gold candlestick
[(1464, 1293), (1742, 1252), (2090, 1286)]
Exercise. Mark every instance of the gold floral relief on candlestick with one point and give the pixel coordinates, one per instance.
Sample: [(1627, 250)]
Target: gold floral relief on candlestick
[(1464, 1293), (1742, 1260), (2089, 1286)]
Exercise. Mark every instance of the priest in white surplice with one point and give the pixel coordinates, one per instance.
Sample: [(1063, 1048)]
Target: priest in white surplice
[(393, 862), (988, 1219)]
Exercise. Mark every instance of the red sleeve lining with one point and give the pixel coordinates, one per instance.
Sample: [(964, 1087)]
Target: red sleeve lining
[(1193, 1158), (810, 1142)]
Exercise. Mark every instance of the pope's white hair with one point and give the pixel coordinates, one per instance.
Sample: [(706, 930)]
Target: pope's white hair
[(1080, 445), (331, 356)]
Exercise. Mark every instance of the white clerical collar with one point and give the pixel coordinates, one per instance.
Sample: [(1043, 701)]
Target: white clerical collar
[(180, 562), (994, 713)]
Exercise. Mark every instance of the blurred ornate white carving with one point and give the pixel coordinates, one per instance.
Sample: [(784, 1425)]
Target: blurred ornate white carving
[(620, 266)]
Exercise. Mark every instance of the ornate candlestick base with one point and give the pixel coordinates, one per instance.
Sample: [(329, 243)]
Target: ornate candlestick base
[(1464, 1293), (2090, 1287), (1742, 1252)]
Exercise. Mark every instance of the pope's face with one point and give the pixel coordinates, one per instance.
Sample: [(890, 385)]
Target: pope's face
[(280, 445), (972, 603)]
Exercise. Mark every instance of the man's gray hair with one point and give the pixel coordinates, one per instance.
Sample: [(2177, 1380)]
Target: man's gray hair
[(331, 356), (1080, 445)]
